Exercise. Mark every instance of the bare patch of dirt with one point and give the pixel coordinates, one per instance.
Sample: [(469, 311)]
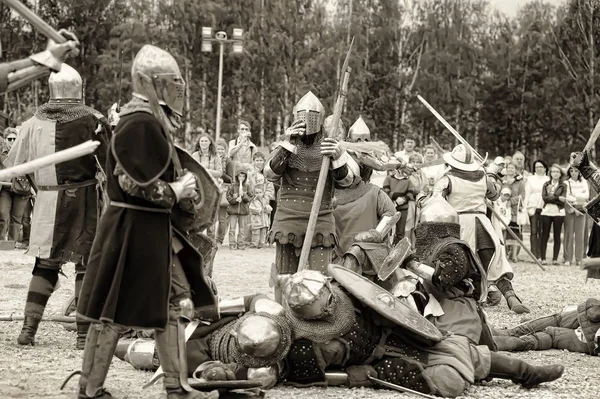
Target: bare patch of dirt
[(37, 372)]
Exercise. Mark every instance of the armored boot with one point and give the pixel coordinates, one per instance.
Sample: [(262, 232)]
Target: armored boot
[(521, 372), (170, 345), (514, 303), (93, 375)]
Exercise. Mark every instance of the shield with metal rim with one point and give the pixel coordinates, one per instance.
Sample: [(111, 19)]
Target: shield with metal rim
[(384, 303)]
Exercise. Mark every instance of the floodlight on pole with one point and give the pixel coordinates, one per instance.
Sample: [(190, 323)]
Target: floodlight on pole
[(238, 48)]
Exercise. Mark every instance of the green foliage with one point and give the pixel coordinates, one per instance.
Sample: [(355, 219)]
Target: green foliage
[(526, 83)]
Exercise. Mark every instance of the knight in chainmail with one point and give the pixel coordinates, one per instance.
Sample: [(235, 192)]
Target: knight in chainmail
[(467, 186), (66, 207), (250, 340), (334, 330), (359, 208), (296, 162)]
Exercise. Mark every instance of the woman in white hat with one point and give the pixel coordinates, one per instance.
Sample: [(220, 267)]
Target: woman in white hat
[(466, 186)]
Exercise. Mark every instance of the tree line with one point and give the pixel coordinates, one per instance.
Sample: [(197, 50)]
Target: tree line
[(526, 83)]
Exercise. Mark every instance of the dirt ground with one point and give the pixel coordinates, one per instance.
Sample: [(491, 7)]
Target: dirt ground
[(37, 372)]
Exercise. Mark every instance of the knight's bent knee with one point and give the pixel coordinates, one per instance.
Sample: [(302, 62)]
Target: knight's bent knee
[(448, 382)]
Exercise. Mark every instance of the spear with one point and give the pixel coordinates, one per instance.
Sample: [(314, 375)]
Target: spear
[(324, 174), (120, 84)]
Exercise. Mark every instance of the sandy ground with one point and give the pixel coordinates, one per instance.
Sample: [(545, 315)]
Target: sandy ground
[(37, 372)]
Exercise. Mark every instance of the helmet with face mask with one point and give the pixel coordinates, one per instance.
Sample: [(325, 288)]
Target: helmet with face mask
[(161, 67), (310, 110), (359, 131)]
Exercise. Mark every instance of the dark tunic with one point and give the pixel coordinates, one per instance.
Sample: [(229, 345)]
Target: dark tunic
[(66, 208), (129, 273)]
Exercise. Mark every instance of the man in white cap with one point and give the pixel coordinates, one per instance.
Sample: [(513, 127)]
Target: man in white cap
[(466, 186)]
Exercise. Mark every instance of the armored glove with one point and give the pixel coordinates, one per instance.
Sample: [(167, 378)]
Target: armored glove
[(266, 375), (331, 148), (358, 376), (291, 135), (371, 235), (580, 159), (56, 53)]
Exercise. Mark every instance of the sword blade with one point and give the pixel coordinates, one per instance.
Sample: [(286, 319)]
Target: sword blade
[(400, 388)]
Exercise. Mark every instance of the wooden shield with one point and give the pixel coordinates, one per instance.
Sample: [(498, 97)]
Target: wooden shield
[(384, 303)]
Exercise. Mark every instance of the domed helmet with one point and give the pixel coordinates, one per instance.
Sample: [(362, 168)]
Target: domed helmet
[(66, 86), (359, 131), (162, 68), (308, 295), (310, 110), (438, 210), (262, 339), (315, 308)]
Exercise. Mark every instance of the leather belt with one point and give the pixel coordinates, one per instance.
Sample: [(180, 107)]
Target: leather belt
[(471, 213), (137, 207), (68, 186)]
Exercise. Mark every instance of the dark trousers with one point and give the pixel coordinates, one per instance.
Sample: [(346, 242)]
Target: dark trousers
[(401, 226), (556, 222), (535, 222), (12, 210)]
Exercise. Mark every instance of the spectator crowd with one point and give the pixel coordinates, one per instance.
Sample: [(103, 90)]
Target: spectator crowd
[(545, 201)]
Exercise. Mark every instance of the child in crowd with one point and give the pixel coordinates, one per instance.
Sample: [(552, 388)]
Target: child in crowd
[(260, 216), (239, 196), (502, 206)]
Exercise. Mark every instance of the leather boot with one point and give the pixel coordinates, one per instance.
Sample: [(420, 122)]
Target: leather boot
[(89, 352), (170, 346), (493, 298), (106, 342), (521, 372), (30, 326), (532, 326), (514, 303), (515, 344)]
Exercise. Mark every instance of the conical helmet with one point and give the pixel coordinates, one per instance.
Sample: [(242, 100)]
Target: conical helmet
[(310, 110), (162, 68), (308, 295), (66, 86), (438, 210), (359, 131)]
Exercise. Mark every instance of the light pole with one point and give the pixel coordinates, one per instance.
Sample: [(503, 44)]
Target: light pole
[(238, 48)]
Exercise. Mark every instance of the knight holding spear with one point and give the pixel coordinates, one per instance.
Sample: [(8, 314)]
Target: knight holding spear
[(297, 162)]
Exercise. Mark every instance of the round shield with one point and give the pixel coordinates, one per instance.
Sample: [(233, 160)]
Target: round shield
[(384, 303)]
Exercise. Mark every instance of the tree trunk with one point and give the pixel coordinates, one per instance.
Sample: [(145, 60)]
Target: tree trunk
[(286, 101), (187, 134), (203, 102), (240, 103), (592, 95), (278, 126), (261, 140), (522, 106)]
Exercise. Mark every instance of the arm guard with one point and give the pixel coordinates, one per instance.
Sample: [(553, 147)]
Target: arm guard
[(158, 192), (19, 73)]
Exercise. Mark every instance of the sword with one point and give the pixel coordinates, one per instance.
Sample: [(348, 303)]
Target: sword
[(69, 154), (451, 129), (400, 388)]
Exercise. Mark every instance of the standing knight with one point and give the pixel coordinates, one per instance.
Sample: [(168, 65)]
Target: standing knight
[(142, 272), (466, 186), (66, 208), (297, 162)]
